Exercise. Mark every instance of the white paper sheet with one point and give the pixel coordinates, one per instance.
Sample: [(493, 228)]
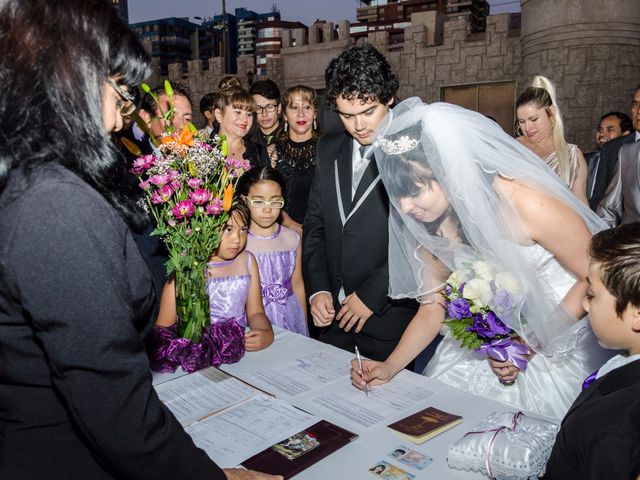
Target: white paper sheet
[(344, 405), (238, 433), (301, 373), (195, 396)]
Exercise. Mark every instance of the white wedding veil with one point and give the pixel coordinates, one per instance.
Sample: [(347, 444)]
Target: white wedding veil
[(463, 151)]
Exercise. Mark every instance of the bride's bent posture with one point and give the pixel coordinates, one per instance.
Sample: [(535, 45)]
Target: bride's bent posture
[(470, 199)]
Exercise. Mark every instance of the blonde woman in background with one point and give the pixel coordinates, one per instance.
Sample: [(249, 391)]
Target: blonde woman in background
[(540, 129)]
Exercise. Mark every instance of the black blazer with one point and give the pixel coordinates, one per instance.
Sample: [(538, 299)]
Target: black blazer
[(607, 167), (600, 434), (345, 242), (76, 299)]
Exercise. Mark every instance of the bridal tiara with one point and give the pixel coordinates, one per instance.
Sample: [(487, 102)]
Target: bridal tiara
[(395, 147)]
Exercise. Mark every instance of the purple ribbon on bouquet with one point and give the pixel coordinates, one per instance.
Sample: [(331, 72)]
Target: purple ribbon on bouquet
[(507, 350), (497, 430), (221, 342)]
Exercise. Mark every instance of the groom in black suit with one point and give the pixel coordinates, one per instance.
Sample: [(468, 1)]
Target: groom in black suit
[(345, 233)]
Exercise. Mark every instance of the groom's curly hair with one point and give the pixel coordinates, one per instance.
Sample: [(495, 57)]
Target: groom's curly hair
[(360, 72)]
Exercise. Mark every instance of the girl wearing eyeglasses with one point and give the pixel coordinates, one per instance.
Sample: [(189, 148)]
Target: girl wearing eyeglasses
[(277, 249)]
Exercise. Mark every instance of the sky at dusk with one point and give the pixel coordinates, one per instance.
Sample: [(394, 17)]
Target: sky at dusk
[(306, 11)]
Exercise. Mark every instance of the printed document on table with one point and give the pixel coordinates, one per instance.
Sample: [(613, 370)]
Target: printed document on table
[(237, 433), (202, 393), (301, 372), (345, 405)]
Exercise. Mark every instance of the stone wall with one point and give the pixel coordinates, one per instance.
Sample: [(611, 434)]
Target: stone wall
[(590, 53), (461, 59), (306, 63)]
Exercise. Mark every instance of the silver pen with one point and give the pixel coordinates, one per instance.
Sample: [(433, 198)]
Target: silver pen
[(359, 359)]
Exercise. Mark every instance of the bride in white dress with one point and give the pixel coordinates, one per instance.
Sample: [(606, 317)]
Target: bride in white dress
[(460, 186)]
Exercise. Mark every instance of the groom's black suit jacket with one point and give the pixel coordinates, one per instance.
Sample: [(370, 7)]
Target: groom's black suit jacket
[(345, 243), (600, 434)]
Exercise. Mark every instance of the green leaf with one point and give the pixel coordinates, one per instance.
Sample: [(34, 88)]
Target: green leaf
[(145, 88)]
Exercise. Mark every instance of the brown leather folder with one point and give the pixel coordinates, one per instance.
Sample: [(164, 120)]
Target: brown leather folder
[(322, 440)]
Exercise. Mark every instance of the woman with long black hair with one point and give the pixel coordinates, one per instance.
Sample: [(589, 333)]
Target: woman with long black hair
[(76, 297)]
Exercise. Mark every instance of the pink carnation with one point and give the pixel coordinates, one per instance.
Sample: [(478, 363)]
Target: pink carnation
[(200, 196), (194, 182), (162, 195), (141, 164), (160, 180), (183, 209), (215, 207), (145, 185)]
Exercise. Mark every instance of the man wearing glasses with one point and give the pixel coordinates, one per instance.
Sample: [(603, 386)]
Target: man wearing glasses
[(266, 95)]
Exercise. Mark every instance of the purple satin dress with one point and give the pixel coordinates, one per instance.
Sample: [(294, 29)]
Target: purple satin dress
[(228, 287), (276, 257), (223, 340)]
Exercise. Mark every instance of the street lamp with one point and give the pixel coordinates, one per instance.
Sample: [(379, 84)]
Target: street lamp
[(224, 37)]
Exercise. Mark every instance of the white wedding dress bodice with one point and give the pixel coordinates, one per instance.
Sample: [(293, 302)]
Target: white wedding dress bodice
[(549, 385)]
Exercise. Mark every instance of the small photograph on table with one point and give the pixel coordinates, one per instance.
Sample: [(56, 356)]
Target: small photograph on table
[(297, 445), (411, 458), (387, 471)]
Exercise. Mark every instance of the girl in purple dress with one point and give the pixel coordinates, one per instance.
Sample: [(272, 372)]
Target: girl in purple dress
[(276, 248), (233, 284)]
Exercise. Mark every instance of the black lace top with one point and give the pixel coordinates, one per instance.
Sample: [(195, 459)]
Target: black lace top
[(255, 153), (296, 162)]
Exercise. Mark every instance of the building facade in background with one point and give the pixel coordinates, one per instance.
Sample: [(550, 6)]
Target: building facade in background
[(269, 42), (122, 7), (170, 40)]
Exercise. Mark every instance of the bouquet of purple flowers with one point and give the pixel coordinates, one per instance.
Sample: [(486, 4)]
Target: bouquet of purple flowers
[(479, 303)]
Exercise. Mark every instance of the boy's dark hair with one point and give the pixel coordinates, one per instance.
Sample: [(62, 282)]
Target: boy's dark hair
[(256, 175), (360, 72), (207, 103), (148, 104), (618, 252), (266, 88), (626, 125)]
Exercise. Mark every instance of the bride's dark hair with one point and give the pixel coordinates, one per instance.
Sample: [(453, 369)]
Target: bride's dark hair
[(55, 59), (407, 176)]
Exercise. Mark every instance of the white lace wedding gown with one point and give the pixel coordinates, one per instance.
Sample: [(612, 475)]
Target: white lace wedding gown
[(549, 385)]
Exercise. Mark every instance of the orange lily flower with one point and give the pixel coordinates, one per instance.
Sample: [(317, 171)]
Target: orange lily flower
[(185, 138), (227, 198)]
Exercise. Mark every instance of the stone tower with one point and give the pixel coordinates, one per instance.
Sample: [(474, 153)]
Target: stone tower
[(590, 49)]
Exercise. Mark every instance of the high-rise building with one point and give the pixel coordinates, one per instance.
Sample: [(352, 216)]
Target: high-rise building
[(269, 42), (248, 22), (388, 14), (228, 28), (169, 40), (122, 7)]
